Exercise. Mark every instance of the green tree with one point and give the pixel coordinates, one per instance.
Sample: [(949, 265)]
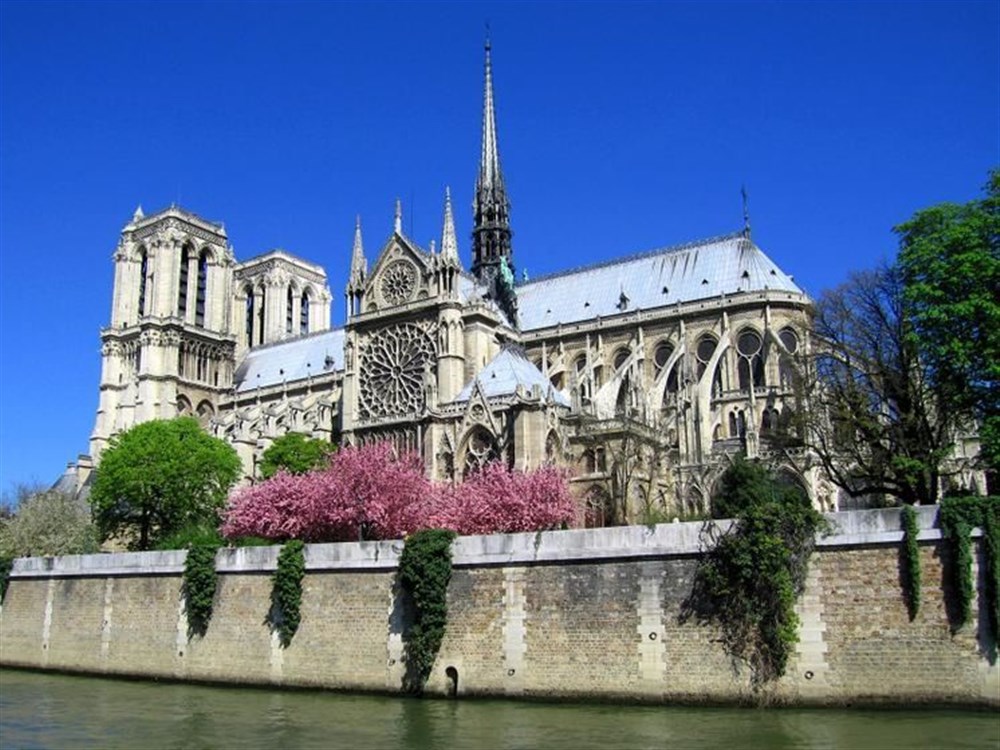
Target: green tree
[(295, 453), (949, 260), (870, 412), (48, 522), (160, 477)]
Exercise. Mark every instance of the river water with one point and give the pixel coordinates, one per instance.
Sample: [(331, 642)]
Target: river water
[(64, 712)]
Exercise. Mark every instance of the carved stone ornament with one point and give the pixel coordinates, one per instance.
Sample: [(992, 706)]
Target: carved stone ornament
[(392, 371), (398, 282)]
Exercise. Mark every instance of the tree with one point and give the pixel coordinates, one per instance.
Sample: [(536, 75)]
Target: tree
[(371, 493), (949, 260), (296, 454), (872, 416), (160, 477), (48, 522)]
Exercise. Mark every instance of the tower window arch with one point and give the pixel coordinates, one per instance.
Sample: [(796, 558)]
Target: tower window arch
[(621, 356), (250, 318), (143, 272), (182, 287), (199, 310), (289, 310), (304, 313)]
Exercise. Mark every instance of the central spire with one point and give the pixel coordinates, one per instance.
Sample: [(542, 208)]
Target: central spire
[(492, 256)]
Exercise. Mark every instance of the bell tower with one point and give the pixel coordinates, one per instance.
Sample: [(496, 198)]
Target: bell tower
[(168, 350)]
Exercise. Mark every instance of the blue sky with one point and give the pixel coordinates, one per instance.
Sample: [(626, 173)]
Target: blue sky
[(622, 127)]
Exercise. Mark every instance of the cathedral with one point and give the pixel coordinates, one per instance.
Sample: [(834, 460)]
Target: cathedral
[(642, 375)]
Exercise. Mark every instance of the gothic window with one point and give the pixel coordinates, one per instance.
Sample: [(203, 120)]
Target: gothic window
[(733, 431), (398, 282), (620, 357), (261, 307), (199, 310), (290, 298), (392, 372), (304, 313), (250, 316), (183, 406), (143, 271), (180, 360), (704, 352), (599, 511), (661, 355), (750, 368), (786, 366), (480, 449), (182, 290)]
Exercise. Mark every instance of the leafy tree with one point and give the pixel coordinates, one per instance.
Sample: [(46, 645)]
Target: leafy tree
[(296, 454), (949, 260), (160, 477), (874, 419), (48, 522), (748, 483)]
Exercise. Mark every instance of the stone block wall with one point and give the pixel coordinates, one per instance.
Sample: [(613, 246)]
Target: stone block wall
[(574, 614)]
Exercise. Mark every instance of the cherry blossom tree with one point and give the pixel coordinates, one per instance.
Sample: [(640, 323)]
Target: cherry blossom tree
[(371, 493)]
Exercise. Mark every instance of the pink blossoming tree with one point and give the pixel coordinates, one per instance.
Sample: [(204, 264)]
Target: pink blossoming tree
[(370, 493)]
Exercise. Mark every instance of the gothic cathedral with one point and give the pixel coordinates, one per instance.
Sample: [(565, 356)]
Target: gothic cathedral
[(641, 375)]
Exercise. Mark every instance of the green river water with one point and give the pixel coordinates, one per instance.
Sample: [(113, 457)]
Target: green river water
[(64, 712)]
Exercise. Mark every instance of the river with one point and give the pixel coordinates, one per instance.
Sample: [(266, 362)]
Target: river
[(64, 712)]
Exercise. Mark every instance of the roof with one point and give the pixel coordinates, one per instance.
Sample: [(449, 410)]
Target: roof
[(506, 372), (701, 270), (294, 359)]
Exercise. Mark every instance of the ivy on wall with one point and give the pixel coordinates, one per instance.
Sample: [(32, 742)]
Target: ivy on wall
[(286, 594), (424, 572), (957, 518), (200, 582), (749, 580), (910, 560), (6, 564)]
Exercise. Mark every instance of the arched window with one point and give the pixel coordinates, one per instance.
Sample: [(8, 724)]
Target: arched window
[(480, 449), (786, 365), (250, 316), (733, 431), (661, 355), (620, 357), (182, 289), (552, 449), (261, 307), (750, 368), (289, 301), (704, 352), (304, 313), (599, 508), (199, 310), (143, 272)]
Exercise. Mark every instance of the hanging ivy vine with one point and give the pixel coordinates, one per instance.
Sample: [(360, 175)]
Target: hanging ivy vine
[(957, 518), (6, 563), (911, 560), (748, 582), (286, 594), (424, 572), (200, 582)]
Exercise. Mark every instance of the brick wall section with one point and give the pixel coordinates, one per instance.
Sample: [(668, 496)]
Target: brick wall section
[(583, 614)]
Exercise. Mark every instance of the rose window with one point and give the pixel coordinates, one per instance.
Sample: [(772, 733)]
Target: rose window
[(398, 282), (394, 367)]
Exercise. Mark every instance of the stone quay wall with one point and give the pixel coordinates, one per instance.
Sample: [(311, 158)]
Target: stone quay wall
[(579, 614)]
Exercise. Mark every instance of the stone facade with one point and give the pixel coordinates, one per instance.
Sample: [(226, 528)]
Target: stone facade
[(592, 613), (642, 375)]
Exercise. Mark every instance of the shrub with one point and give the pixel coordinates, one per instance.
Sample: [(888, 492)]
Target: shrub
[(957, 518)]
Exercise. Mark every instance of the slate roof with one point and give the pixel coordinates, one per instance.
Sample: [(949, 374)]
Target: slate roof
[(287, 360), (505, 372), (700, 270)]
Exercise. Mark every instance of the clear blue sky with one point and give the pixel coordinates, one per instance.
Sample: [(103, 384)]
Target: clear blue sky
[(622, 127)]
